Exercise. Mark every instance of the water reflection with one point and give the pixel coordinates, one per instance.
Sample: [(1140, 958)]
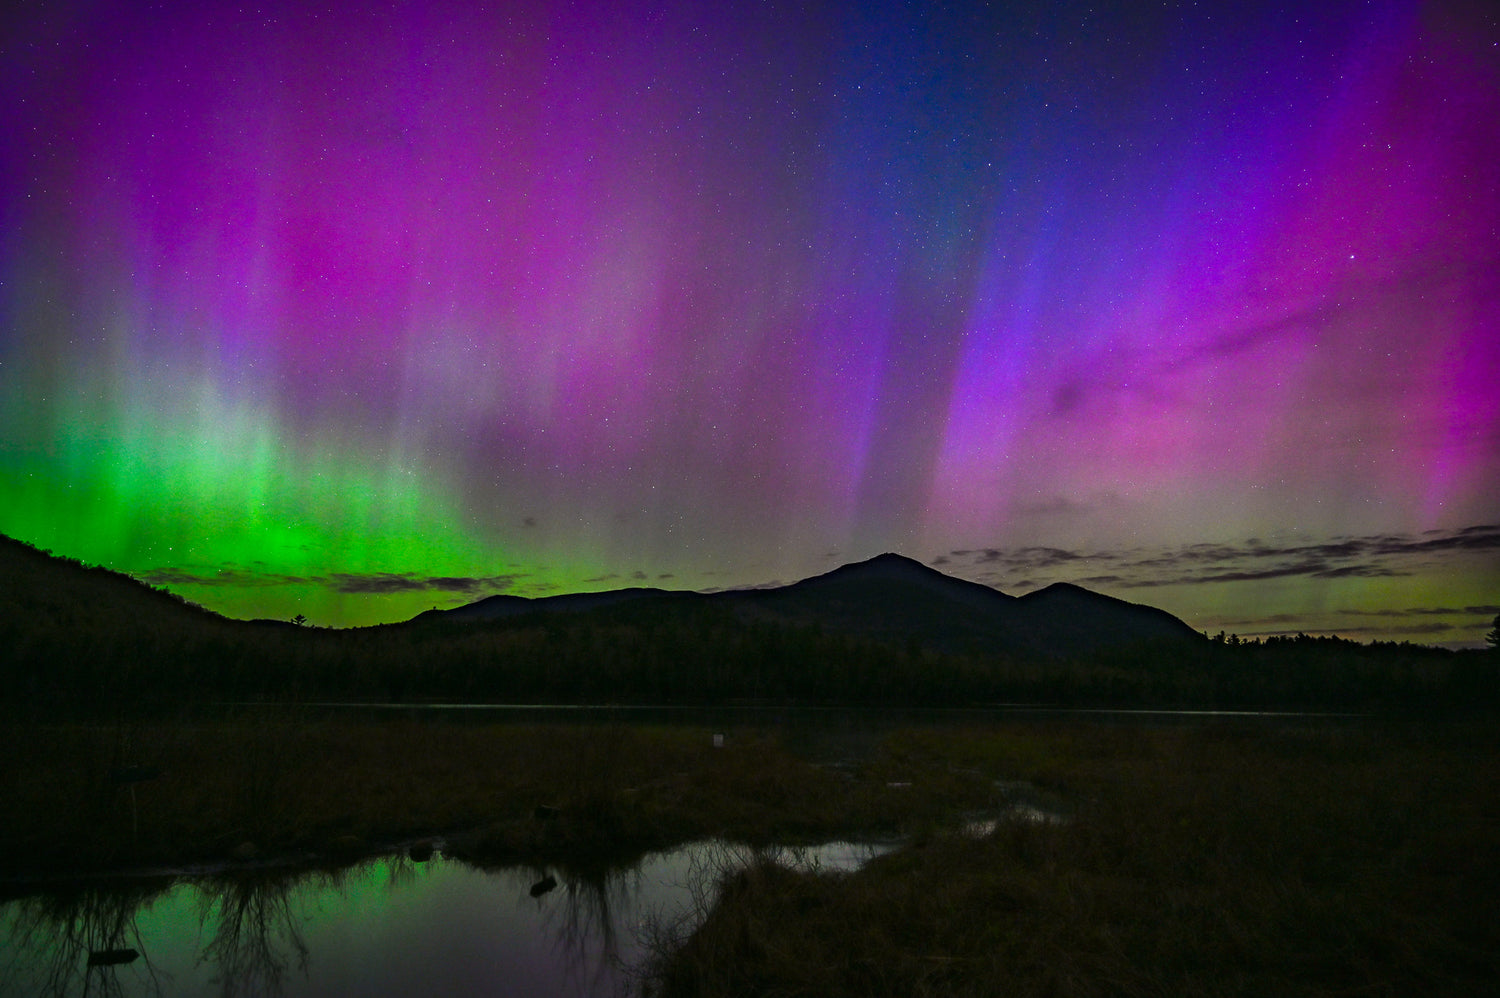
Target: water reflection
[(581, 920), (79, 942), (388, 926), (256, 933)]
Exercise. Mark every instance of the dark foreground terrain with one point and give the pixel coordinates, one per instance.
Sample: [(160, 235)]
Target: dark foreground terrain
[(1293, 855), (1074, 858), (1212, 861)]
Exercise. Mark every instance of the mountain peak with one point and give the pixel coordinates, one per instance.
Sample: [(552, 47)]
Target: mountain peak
[(886, 566), (891, 597), (895, 570), (889, 561), (1057, 589), (1092, 616)]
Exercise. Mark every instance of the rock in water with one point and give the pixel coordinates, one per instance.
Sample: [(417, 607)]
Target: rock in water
[(111, 957)]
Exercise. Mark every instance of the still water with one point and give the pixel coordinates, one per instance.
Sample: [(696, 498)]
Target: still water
[(389, 926)]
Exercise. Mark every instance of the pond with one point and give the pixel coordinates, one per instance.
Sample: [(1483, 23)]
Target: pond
[(388, 926)]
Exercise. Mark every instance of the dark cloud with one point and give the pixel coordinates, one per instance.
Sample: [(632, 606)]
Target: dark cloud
[(1049, 556), (1026, 558), (407, 582), (1425, 611), (380, 582), (1372, 556), (339, 582), (1481, 538), (472, 584), (1433, 628), (229, 576), (171, 577), (1358, 571)]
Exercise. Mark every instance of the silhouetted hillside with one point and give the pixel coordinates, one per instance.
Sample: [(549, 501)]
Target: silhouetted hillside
[(1071, 619), (73, 632), (38, 588), (887, 630), (893, 599)]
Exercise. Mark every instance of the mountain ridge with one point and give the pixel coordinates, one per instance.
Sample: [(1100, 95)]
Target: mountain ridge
[(889, 630), (891, 597)]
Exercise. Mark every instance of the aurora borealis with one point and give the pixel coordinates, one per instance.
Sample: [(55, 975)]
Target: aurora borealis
[(351, 312)]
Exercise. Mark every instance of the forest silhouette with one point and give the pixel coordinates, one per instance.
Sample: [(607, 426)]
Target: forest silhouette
[(887, 631)]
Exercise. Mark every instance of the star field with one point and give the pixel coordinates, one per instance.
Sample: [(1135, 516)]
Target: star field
[(354, 312)]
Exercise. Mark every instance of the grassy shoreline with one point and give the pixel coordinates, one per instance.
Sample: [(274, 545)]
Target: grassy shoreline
[(1222, 858), (257, 787), (1207, 861)]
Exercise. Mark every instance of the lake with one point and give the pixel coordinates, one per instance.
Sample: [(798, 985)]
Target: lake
[(387, 926)]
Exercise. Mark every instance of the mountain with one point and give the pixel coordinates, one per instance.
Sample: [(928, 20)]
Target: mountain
[(40, 589), (1067, 616), (888, 630), (72, 633), (896, 598), (891, 598)]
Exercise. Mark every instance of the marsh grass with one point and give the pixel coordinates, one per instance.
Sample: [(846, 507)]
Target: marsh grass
[(1218, 859), (253, 787), (1211, 861)]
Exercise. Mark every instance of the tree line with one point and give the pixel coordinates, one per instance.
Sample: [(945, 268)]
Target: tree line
[(82, 636), (703, 654)]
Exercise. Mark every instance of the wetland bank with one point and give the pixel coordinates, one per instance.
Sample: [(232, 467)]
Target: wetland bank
[(1216, 855)]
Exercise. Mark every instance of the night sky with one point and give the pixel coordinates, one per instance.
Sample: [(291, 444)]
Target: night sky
[(359, 311)]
